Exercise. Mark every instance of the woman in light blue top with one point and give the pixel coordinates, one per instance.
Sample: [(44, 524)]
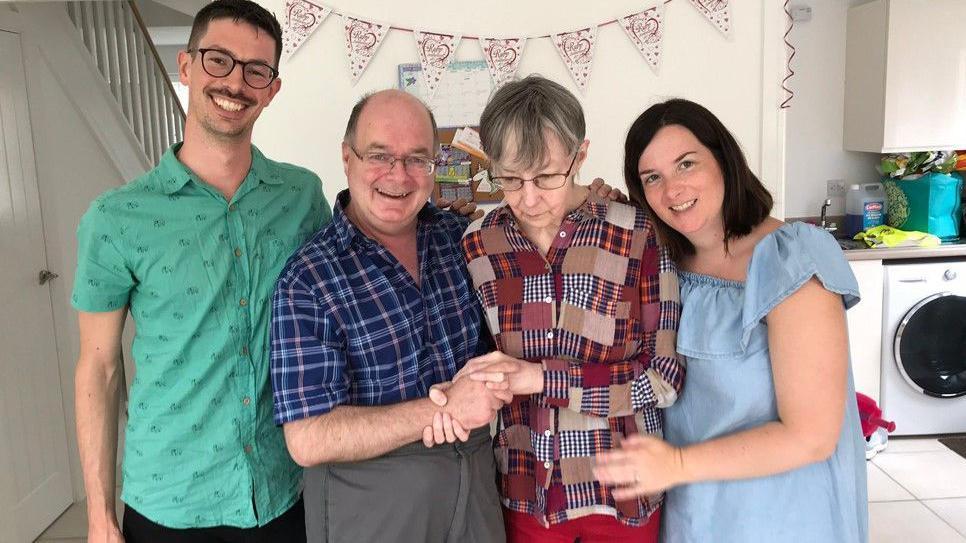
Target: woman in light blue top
[(764, 444)]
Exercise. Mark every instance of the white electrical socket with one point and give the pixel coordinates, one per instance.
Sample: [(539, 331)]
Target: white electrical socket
[(835, 188)]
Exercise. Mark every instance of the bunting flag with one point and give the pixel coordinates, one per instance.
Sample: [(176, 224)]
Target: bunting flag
[(301, 19), (436, 51), (362, 38), (577, 51), (646, 29), (502, 56), (716, 11)]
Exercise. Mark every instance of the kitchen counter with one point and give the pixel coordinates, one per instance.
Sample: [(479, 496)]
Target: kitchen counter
[(857, 250)]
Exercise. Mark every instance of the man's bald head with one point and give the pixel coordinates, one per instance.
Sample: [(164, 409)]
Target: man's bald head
[(390, 95)]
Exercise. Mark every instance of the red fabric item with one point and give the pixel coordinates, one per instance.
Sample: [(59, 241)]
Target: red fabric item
[(871, 416), (523, 528)]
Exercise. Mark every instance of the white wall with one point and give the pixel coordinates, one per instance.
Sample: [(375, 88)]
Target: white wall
[(814, 152), (737, 78)]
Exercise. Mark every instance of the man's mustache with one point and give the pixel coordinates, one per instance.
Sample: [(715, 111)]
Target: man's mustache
[(240, 97)]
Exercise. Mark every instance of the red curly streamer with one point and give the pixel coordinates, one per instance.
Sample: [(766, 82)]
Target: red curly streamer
[(788, 62)]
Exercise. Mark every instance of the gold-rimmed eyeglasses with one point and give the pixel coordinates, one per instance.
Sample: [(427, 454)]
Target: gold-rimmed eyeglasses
[(545, 181), (415, 165)]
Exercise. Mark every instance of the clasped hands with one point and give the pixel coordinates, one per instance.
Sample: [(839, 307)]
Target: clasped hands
[(642, 465), (471, 400)]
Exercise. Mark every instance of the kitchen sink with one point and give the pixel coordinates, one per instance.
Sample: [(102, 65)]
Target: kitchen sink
[(851, 244)]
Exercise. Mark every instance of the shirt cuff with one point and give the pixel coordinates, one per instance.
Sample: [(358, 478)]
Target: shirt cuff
[(556, 382)]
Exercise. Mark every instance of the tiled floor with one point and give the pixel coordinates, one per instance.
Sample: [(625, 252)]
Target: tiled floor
[(917, 492)]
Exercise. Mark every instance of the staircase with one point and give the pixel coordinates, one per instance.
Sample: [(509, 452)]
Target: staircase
[(119, 44)]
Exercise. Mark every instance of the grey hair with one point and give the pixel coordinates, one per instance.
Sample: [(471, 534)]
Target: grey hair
[(524, 111), (353, 123)]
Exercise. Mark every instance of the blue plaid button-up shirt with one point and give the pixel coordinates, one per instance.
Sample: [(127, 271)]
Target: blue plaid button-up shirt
[(350, 326)]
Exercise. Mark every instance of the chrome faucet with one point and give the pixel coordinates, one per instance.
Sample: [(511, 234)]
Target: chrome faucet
[(828, 226)]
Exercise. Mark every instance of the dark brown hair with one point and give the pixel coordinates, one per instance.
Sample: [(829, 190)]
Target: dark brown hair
[(244, 11), (746, 200)]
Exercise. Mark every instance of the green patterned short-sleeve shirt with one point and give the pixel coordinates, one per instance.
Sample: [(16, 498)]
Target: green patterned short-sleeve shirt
[(198, 273)]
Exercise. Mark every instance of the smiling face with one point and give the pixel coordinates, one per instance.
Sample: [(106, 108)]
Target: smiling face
[(538, 208), (683, 184), (385, 203), (226, 107)]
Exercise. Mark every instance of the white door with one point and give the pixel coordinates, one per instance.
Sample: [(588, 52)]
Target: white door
[(35, 483)]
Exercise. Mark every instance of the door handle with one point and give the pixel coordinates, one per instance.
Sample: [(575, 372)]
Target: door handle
[(45, 276)]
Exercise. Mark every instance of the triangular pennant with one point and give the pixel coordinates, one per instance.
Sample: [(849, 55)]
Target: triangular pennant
[(577, 51), (362, 38), (716, 11), (301, 19), (502, 56), (646, 29), (436, 51)]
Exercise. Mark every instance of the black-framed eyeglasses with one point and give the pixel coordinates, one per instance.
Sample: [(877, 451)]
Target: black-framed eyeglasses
[(382, 162), (545, 181), (218, 63)]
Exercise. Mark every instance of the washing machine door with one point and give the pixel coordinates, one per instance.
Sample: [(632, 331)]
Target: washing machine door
[(930, 346)]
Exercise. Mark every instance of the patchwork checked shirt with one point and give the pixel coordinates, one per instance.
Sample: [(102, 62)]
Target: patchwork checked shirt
[(600, 313), (197, 272), (351, 326)]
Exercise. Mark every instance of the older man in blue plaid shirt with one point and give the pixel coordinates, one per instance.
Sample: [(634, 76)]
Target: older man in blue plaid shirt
[(368, 315)]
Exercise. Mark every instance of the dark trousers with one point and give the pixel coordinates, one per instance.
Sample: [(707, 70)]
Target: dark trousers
[(446, 494), (288, 528)]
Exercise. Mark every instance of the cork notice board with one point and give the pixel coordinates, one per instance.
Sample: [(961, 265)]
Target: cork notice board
[(451, 170)]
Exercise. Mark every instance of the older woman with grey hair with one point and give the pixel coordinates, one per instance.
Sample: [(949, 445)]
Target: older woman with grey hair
[(583, 307)]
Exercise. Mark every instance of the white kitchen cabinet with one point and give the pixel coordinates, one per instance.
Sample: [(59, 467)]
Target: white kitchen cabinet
[(905, 76), (865, 327)]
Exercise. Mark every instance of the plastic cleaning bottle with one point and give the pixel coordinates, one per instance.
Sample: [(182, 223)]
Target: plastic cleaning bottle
[(865, 207)]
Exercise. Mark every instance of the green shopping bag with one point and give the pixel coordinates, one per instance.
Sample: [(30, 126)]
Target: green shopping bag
[(927, 204)]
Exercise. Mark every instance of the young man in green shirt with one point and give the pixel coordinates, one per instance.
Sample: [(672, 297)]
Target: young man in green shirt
[(193, 249)]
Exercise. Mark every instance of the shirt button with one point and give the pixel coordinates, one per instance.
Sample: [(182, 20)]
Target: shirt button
[(245, 350), (248, 449), (232, 207), (243, 302), (563, 234), (237, 251), (547, 433), (548, 299), (549, 335), (547, 265), (547, 465), (247, 400)]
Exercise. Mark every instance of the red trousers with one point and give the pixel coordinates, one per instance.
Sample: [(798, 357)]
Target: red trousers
[(523, 528)]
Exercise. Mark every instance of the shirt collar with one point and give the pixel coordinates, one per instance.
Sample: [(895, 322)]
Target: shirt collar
[(175, 175), (593, 207), (346, 232)]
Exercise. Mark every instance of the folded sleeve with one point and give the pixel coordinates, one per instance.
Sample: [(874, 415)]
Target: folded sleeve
[(783, 262), (103, 281), (308, 357)]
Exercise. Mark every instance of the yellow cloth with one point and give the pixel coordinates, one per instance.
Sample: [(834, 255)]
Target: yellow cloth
[(887, 236)]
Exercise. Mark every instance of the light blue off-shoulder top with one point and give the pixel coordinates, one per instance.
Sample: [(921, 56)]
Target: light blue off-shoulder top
[(729, 388)]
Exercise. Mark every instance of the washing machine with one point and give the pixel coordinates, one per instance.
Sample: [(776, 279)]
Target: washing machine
[(923, 379)]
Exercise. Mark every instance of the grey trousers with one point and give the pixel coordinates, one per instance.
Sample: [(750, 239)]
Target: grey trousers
[(440, 495)]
